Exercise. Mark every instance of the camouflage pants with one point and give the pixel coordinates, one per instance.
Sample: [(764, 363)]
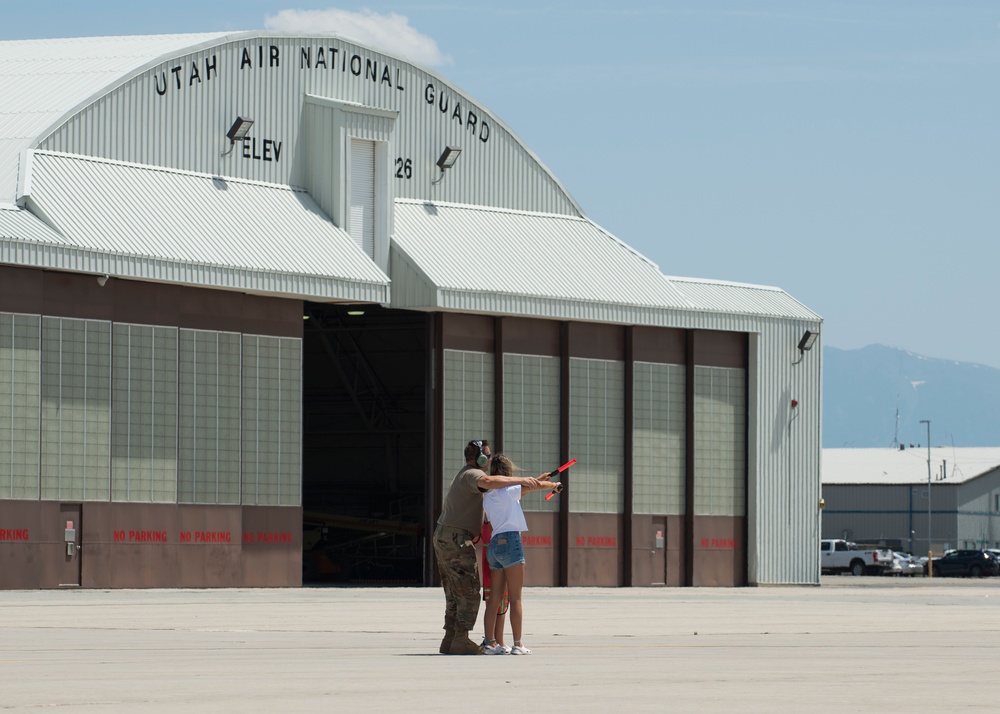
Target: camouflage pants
[(458, 567)]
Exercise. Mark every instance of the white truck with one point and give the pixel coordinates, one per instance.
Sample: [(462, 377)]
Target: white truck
[(842, 556)]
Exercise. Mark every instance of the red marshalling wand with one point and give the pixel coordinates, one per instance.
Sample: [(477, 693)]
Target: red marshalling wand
[(559, 471)]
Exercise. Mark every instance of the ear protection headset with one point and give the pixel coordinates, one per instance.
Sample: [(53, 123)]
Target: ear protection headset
[(482, 459)]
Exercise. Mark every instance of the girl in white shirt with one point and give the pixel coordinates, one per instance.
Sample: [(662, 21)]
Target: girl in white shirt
[(506, 553)]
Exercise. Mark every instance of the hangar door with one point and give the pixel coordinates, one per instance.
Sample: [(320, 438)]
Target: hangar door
[(364, 496)]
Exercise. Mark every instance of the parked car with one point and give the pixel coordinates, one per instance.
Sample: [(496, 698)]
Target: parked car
[(904, 564), (971, 563), (841, 556)]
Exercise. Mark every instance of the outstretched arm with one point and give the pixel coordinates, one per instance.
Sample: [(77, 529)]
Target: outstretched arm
[(545, 486), (487, 482)]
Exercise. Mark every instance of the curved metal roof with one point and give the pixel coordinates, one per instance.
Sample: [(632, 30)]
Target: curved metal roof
[(42, 80)]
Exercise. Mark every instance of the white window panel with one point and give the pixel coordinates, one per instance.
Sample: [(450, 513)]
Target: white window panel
[(209, 434), (272, 421), (20, 402), (658, 456), (720, 441), (144, 399), (597, 435), (468, 406), (531, 419), (76, 409)]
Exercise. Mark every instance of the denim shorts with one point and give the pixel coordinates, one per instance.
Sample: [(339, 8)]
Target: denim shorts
[(505, 550)]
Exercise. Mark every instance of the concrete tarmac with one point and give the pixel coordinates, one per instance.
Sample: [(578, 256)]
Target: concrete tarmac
[(851, 645)]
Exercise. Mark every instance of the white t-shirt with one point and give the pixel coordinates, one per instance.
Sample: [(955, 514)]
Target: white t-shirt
[(503, 508)]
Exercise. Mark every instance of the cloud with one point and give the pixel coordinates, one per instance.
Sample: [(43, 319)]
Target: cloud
[(390, 33)]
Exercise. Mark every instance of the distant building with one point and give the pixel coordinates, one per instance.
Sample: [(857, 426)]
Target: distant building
[(876, 495)]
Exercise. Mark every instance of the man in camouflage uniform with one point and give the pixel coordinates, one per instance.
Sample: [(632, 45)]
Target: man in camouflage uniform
[(460, 522)]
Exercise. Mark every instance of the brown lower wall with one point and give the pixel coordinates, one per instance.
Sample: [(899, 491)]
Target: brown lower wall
[(129, 545), (594, 549), (541, 549), (720, 551), (658, 550)]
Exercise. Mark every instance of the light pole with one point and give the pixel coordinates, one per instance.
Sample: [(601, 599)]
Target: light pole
[(928, 423)]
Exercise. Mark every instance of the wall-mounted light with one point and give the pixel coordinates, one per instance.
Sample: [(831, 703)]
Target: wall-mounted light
[(807, 341), (102, 280), (355, 313), (447, 159), (239, 129)]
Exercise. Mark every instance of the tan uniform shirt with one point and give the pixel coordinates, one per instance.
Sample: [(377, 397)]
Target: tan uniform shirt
[(463, 506)]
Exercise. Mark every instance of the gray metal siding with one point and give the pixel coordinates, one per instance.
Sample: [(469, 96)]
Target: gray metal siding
[(784, 457), (184, 127), (869, 511)]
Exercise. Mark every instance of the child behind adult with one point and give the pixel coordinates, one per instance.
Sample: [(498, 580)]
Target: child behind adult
[(485, 536), (506, 554)]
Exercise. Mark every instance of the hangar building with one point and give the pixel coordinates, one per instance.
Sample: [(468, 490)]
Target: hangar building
[(257, 290)]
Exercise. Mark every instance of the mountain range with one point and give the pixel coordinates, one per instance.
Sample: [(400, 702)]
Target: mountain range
[(876, 396)]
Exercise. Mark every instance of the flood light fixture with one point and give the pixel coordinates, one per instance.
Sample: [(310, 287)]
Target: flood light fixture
[(805, 344), (239, 129), (807, 341), (447, 159), (237, 132)]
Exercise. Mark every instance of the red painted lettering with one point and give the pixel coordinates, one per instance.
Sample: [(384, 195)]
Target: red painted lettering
[(15, 534), (529, 541), (212, 537), (719, 543), (274, 537), (147, 536)]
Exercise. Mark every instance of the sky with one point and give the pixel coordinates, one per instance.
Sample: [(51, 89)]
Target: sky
[(846, 152)]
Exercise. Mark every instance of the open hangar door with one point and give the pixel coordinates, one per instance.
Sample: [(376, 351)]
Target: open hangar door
[(365, 406)]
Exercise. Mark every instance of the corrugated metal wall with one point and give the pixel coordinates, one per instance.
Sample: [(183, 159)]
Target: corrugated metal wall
[(176, 114), (961, 513), (784, 456)]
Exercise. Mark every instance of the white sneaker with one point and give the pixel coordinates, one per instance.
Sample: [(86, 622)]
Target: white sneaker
[(506, 649), (494, 650), (520, 650)]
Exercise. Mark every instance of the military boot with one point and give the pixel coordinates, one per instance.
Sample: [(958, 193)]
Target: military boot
[(445, 647), (462, 645)]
